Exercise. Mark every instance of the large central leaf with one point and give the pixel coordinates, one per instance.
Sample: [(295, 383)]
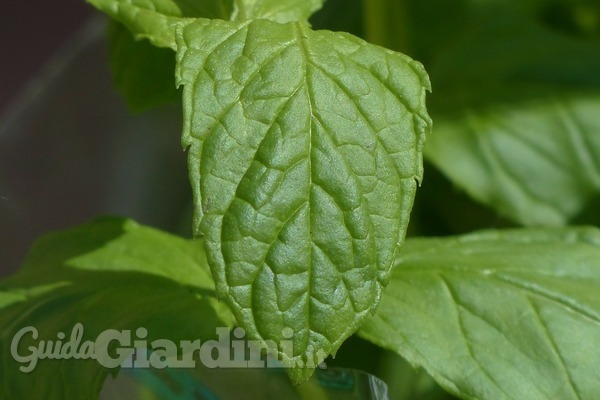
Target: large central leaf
[(304, 156)]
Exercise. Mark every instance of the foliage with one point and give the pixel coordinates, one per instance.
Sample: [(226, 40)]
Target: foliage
[(305, 150)]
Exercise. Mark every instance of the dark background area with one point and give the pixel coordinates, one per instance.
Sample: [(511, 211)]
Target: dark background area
[(70, 149), (31, 32)]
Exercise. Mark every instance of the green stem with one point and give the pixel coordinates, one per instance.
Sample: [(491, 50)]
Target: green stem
[(385, 24)]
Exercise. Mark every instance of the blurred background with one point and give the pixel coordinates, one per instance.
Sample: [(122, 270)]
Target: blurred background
[(32, 32), (66, 134)]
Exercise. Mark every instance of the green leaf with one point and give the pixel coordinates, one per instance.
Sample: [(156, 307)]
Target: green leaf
[(304, 157), (537, 163), (110, 274), (154, 19), (498, 315), (143, 73), (275, 10), (516, 112)]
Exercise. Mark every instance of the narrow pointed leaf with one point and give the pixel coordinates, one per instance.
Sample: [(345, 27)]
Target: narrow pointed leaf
[(498, 315), (304, 157)]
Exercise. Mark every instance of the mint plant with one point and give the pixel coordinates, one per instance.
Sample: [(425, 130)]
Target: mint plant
[(305, 150)]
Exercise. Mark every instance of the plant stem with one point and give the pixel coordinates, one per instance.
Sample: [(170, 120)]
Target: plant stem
[(385, 24)]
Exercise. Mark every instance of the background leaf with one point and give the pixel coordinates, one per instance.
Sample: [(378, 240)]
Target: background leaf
[(154, 19), (275, 10), (110, 274), (498, 315), (142, 72), (304, 152), (517, 87), (538, 163)]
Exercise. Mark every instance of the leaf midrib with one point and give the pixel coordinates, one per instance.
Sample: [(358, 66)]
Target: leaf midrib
[(310, 286)]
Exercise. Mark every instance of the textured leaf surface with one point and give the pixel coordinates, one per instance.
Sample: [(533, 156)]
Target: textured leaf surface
[(498, 315), (110, 274), (304, 155), (275, 10), (154, 19)]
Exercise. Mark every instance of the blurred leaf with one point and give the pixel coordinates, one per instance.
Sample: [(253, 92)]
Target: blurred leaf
[(142, 72), (275, 10), (110, 274), (498, 315), (154, 19), (538, 164), (515, 104)]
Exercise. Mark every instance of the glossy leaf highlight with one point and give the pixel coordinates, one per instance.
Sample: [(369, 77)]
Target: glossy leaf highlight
[(304, 156)]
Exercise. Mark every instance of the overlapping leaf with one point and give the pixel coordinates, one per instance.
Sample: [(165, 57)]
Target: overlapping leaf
[(110, 274), (304, 155), (154, 19), (498, 315), (142, 72), (275, 10)]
